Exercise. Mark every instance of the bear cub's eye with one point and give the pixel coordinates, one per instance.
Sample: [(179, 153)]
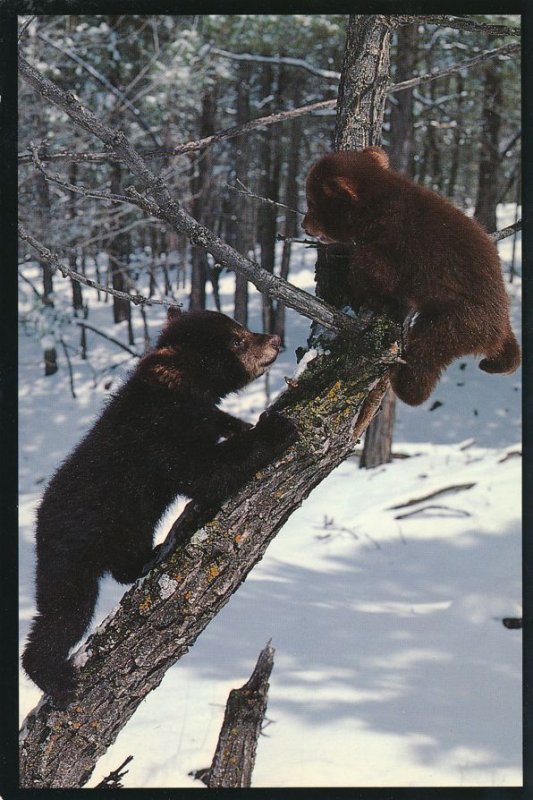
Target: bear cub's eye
[(237, 344)]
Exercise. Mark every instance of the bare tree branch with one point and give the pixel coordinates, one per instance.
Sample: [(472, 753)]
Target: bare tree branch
[(81, 157), (243, 190), (292, 62), (86, 326), (112, 781), (197, 144), (51, 258), (32, 285), (55, 178), (25, 25), (470, 62), (459, 487), (161, 204), (461, 23), (507, 146), (497, 236)]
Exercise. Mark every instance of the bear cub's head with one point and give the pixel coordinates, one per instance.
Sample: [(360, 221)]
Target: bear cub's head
[(337, 189), (209, 352)]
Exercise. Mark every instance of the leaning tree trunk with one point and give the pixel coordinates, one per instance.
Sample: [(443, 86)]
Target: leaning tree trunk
[(161, 616)]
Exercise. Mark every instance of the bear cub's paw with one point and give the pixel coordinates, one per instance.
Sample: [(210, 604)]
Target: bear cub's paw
[(278, 431), (62, 689), (412, 387)]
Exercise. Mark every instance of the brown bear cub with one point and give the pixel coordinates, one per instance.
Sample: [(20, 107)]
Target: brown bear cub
[(161, 435), (414, 250)]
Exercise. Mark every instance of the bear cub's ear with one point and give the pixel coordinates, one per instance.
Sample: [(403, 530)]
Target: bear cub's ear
[(378, 155), (340, 185)]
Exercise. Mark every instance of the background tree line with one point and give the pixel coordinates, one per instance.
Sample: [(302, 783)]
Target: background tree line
[(169, 80)]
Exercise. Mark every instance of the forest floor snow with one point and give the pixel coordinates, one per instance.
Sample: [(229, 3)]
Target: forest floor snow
[(392, 664)]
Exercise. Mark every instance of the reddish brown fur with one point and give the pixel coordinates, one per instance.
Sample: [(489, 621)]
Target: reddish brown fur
[(415, 249)]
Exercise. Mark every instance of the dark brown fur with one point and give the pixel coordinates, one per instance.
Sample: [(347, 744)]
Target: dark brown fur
[(415, 250), (158, 437)]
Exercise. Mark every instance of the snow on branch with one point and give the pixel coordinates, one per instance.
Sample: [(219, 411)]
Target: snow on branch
[(288, 60), (158, 201), (497, 236)]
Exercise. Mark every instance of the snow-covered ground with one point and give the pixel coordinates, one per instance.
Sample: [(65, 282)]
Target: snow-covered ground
[(392, 665)]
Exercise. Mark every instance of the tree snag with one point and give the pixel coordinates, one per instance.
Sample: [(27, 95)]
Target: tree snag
[(234, 757)]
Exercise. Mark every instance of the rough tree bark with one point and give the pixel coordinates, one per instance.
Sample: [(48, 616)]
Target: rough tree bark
[(161, 616), (364, 81), (361, 103), (234, 758)]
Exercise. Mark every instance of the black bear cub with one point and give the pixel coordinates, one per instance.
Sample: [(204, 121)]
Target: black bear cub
[(161, 435)]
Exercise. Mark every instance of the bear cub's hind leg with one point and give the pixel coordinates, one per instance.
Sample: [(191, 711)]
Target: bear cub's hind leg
[(434, 341)]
